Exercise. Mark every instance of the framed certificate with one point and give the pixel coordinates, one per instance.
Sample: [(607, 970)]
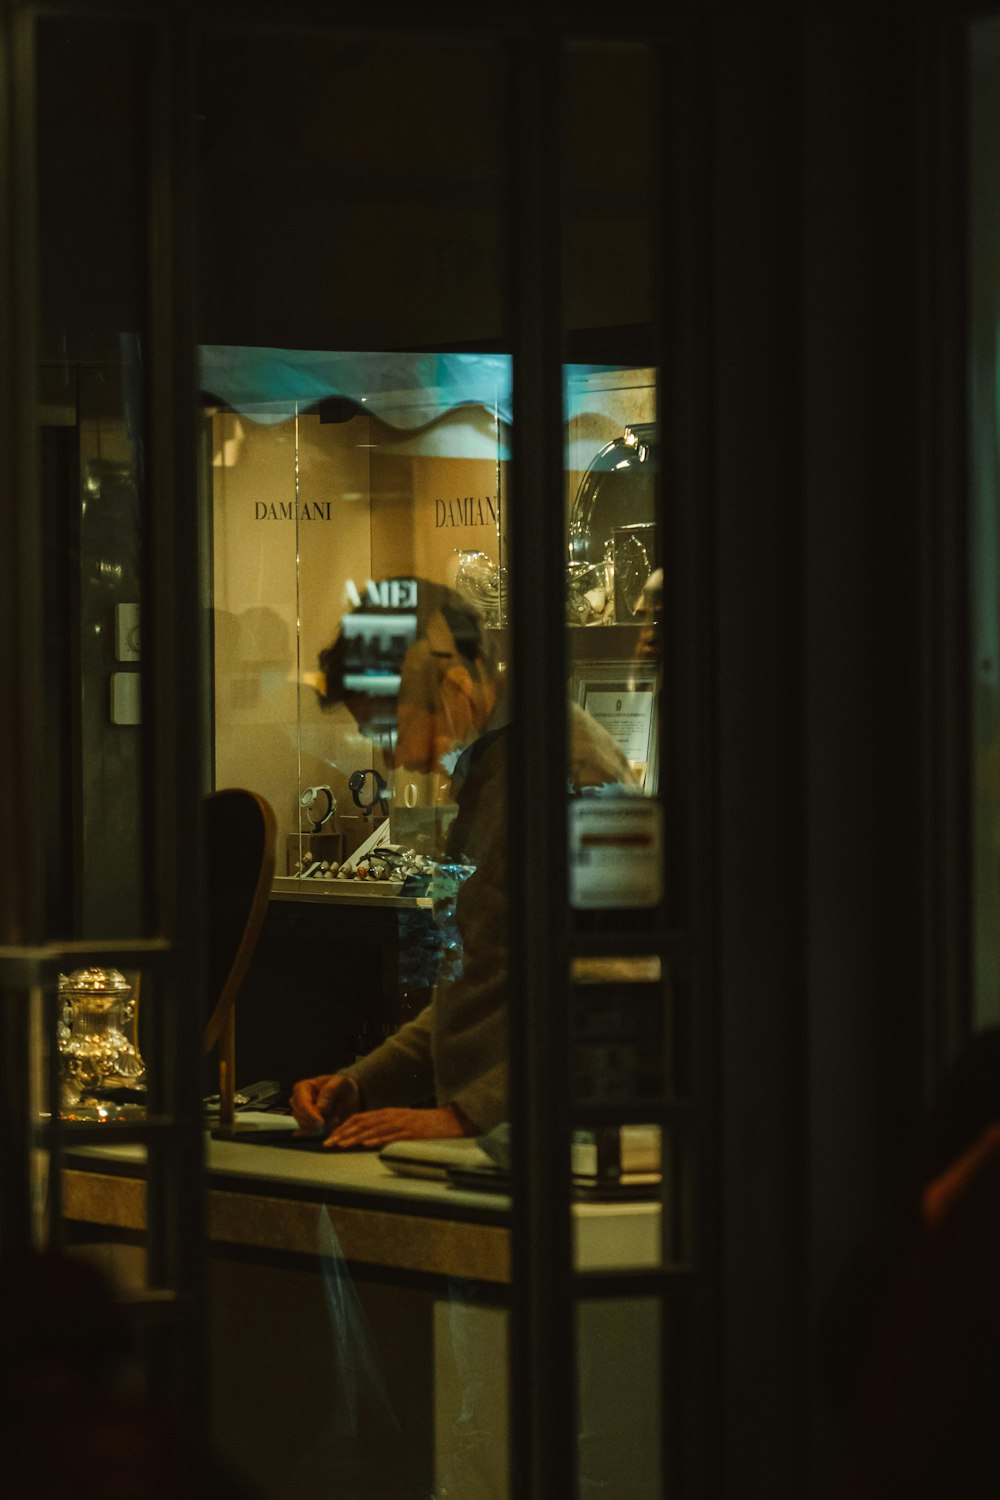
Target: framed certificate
[(622, 698)]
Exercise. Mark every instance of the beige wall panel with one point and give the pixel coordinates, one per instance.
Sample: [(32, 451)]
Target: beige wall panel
[(291, 517), (300, 509)]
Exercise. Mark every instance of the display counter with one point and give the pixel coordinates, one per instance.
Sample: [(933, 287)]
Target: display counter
[(268, 1197), (379, 1306)]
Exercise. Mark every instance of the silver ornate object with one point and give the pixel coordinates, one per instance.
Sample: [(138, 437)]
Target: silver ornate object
[(589, 591), (616, 497), (95, 1051), (483, 583), (635, 560)]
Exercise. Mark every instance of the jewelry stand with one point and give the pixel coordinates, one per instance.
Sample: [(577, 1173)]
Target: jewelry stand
[(302, 850)]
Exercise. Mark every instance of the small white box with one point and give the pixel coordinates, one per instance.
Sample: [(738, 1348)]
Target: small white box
[(126, 698), (615, 852)]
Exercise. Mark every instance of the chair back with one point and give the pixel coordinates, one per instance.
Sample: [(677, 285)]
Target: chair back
[(240, 835)]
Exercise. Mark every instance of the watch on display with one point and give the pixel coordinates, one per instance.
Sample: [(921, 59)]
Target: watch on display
[(368, 787), (319, 806)]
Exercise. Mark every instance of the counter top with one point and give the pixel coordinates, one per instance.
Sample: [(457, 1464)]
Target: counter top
[(276, 1198), (314, 1173)]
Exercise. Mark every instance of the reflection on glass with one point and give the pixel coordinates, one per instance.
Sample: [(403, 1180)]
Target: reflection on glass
[(359, 1443), (471, 1344)]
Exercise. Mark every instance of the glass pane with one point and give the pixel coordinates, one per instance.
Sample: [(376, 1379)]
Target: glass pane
[(93, 84), (624, 1009), (632, 1150), (91, 110), (628, 998), (615, 575), (984, 539), (618, 1394), (107, 883), (356, 412)]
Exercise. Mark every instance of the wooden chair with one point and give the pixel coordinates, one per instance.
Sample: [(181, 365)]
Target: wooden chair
[(240, 835)]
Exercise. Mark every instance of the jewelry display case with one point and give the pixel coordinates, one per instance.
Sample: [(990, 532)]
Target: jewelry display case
[(366, 468), (329, 473)]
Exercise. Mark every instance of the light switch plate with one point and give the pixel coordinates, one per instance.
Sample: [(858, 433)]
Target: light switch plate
[(127, 639)]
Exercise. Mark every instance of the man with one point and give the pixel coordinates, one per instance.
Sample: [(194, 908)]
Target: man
[(455, 1050)]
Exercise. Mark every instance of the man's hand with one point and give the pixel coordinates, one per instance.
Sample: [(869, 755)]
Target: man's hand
[(323, 1103), (375, 1128)]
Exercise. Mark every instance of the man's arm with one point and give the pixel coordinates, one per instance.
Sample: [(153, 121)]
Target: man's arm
[(400, 1070)]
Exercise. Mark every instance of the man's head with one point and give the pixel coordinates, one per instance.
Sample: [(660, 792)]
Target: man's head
[(421, 679)]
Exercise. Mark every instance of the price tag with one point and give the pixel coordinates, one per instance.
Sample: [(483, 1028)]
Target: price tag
[(615, 852)]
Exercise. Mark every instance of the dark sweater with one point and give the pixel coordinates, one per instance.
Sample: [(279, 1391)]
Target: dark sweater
[(456, 1049)]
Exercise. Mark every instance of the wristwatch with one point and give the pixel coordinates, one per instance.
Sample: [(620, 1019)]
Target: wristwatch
[(368, 786), (318, 803)]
